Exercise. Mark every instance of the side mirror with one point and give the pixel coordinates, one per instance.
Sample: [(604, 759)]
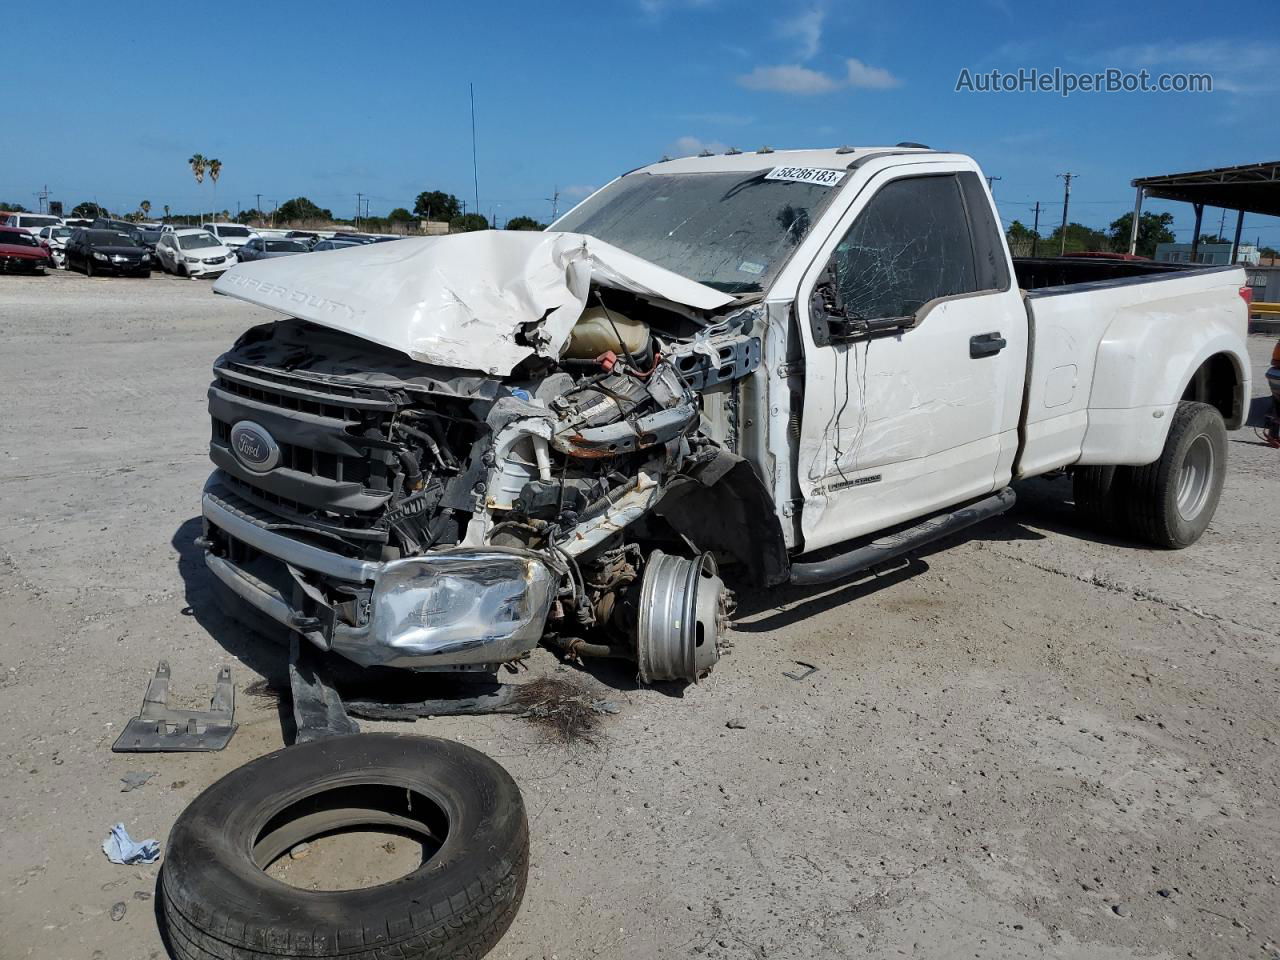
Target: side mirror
[(833, 322)]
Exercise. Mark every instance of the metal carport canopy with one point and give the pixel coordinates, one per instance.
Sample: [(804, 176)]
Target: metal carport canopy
[(1249, 188)]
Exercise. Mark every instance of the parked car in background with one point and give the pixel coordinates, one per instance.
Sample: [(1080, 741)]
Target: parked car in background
[(194, 252), (21, 252), (335, 244), (260, 248), (107, 251), (231, 234), (147, 235), (306, 236), (30, 222), (1271, 422), (76, 223), (54, 240)]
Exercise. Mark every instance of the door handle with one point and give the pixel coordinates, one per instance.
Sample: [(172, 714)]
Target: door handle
[(986, 345)]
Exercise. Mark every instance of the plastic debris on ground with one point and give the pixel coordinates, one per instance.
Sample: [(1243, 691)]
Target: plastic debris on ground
[(121, 848)]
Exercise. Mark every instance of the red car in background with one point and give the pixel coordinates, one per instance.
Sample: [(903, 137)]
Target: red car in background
[(21, 251)]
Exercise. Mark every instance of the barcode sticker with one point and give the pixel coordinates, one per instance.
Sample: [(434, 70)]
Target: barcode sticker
[(819, 175)]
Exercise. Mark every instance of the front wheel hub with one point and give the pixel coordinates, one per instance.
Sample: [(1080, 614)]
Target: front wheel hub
[(682, 614)]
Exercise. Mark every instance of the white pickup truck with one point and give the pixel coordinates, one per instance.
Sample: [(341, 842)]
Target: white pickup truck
[(802, 363)]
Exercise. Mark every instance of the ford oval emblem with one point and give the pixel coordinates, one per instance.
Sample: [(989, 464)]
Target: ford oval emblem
[(254, 447)]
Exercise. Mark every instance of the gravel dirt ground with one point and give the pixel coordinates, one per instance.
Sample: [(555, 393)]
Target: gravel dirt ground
[(1029, 743)]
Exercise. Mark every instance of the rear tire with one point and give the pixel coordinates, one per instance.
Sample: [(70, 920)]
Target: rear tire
[(88, 266), (1169, 503), (218, 902), (1092, 490)]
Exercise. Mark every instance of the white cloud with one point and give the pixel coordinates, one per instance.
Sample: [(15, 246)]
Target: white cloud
[(1234, 65), (806, 30), (788, 78), (692, 146), (870, 78), (719, 119), (656, 8), (579, 190), (793, 78)]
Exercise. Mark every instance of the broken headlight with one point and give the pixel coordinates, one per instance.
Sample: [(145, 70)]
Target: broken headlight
[(458, 608)]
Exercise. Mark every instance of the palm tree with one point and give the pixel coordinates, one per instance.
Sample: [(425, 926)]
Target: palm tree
[(215, 168), (166, 211), (145, 207), (198, 163)]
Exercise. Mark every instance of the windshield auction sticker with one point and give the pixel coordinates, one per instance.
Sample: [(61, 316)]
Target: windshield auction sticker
[(819, 175)]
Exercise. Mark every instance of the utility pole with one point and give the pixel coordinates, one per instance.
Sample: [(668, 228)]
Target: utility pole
[(259, 206), (1035, 231), (42, 199), (989, 183), (1066, 202), (554, 200), (358, 199), (475, 170), (1222, 224)]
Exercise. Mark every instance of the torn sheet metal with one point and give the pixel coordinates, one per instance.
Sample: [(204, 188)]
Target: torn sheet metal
[(474, 301)]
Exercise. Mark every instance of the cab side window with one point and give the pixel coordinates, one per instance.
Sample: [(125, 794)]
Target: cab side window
[(913, 243)]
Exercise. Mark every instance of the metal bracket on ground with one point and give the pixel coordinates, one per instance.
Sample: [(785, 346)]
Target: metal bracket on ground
[(158, 729)]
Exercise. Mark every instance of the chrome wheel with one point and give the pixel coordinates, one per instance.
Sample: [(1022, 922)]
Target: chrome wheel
[(1195, 478)]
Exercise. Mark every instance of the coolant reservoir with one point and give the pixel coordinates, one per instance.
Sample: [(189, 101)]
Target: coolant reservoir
[(593, 334)]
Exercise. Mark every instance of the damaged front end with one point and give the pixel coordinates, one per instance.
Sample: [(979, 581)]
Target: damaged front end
[(404, 513)]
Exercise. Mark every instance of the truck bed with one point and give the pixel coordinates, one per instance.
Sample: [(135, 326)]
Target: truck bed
[(1039, 273), (1114, 341)]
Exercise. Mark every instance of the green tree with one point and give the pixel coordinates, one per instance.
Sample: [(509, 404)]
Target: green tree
[(13, 208), (215, 171), (400, 215), (1209, 238), (249, 216), (300, 208), (1268, 252), (198, 163), (468, 222), (525, 223), (437, 205), (1153, 228), (1021, 238), (1079, 239), (88, 211), (145, 207)]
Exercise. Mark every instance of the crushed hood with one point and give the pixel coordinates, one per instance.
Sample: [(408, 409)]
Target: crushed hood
[(475, 301)]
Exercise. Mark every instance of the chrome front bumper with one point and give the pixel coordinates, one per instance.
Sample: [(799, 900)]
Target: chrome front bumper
[(460, 609)]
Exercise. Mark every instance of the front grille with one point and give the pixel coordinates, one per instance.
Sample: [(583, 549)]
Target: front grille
[(334, 462), (317, 463)]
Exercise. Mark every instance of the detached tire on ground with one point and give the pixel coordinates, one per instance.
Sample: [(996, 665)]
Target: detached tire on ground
[(219, 904)]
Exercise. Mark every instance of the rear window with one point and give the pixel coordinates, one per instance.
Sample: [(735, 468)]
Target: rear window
[(285, 246), (18, 238), (35, 220), (110, 238), (232, 231), (198, 241)]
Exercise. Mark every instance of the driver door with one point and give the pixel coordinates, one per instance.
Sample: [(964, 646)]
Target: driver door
[(922, 411)]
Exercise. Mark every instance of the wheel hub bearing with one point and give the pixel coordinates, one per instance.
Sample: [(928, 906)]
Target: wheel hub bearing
[(683, 611)]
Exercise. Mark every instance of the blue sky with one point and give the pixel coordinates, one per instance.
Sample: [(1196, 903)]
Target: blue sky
[(325, 99)]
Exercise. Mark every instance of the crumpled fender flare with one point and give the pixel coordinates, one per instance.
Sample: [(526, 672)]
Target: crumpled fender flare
[(722, 506)]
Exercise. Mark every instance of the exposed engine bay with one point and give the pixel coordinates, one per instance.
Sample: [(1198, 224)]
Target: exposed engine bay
[(407, 514)]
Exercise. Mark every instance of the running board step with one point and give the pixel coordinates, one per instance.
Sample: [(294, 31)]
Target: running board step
[(895, 545)]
